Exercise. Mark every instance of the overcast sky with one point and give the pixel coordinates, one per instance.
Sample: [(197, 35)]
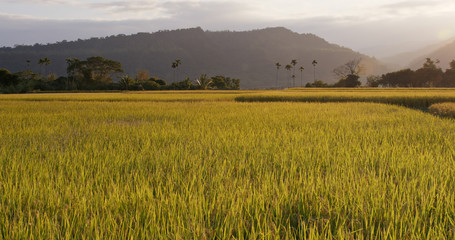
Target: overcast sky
[(375, 27)]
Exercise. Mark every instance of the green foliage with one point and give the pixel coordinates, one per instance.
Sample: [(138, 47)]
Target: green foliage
[(225, 83), (161, 82), (93, 73), (350, 81), (44, 62), (429, 75), (182, 85), (126, 82), (160, 166), (7, 79), (203, 82), (20, 82), (317, 84), (373, 81)]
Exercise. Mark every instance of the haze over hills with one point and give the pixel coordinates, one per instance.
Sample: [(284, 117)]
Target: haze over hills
[(249, 56), (444, 54), (415, 59)]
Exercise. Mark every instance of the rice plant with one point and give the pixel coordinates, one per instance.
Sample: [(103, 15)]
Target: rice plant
[(217, 169)]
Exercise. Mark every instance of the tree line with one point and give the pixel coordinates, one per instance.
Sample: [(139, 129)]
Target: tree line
[(98, 73), (429, 75), (347, 73)]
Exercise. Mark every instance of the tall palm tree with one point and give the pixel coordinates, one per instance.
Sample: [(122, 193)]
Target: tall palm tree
[(28, 64), (278, 65), (70, 71), (288, 67), (44, 62), (314, 69), (301, 75), (293, 62), (175, 65)]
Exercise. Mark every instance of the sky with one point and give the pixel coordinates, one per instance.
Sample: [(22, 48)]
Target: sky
[(378, 28)]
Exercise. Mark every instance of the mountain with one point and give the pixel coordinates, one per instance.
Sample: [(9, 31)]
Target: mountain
[(249, 56), (445, 54), (414, 58)]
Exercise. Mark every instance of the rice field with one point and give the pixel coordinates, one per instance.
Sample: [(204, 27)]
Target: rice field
[(445, 109), (192, 165), (419, 98)]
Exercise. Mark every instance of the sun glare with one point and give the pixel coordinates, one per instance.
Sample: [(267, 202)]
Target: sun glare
[(445, 34)]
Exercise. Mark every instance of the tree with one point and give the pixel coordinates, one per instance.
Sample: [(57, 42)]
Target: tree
[(277, 65), (288, 67), (429, 75), (175, 65), (95, 72), (7, 79), (401, 78), (235, 84), (219, 82), (317, 83), (70, 71), (301, 75), (449, 76), (352, 67), (314, 63), (125, 82), (28, 63), (351, 80), (203, 82), (142, 75), (349, 74), (373, 81), (19, 82), (160, 81), (293, 62), (44, 62)]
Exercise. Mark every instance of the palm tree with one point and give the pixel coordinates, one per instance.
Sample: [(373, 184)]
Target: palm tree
[(70, 70), (175, 65), (288, 67), (125, 82), (278, 65), (314, 69), (293, 62), (301, 75), (204, 82), (28, 64), (44, 62)]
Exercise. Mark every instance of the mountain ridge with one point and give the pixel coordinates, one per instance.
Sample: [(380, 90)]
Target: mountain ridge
[(248, 55), (445, 54)]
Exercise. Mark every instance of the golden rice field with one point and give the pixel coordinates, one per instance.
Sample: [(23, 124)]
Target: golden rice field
[(212, 165)]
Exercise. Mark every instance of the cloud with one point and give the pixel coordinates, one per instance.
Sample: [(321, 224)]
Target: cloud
[(420, 7), (368, 24), (126, 7), (45, 2), (182, 11)]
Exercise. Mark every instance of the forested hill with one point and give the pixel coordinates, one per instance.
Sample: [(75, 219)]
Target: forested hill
[(249, 56)]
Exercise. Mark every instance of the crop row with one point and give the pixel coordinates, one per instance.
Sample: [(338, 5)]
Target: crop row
[(411, 101)]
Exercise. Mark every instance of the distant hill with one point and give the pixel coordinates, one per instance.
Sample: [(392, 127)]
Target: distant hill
[(414, 59), (249, 55), (445, 54)]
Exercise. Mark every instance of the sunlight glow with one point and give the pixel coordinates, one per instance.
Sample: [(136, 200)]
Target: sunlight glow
[(445, 34)]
